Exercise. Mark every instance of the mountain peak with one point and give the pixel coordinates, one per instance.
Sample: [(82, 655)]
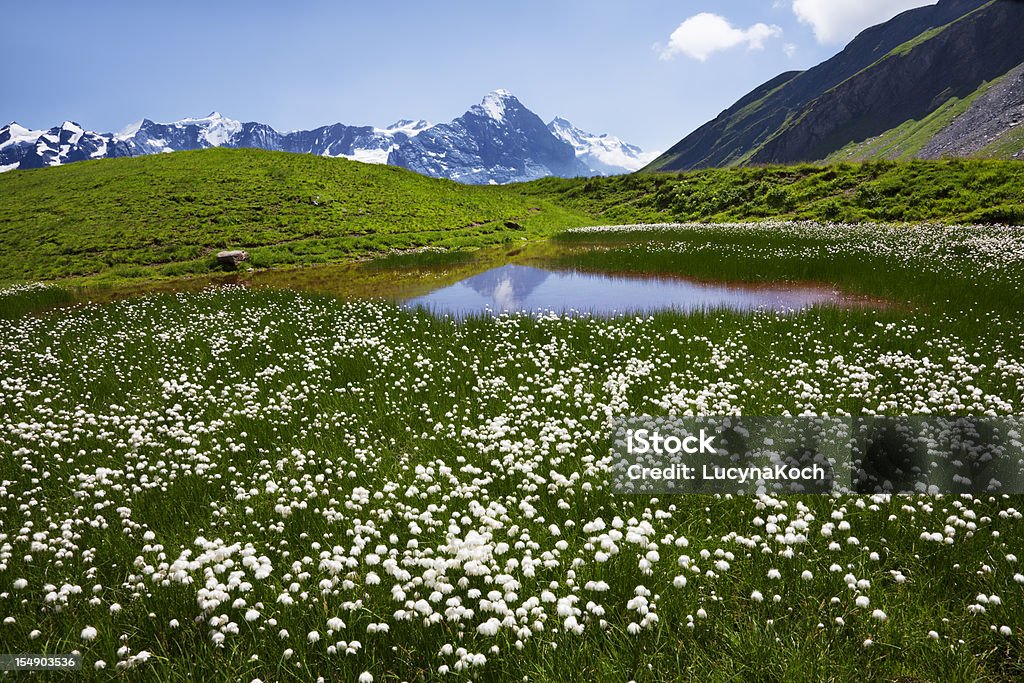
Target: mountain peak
[(495, 104)]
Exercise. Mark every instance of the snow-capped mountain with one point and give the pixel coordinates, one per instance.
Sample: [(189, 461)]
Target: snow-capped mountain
[(496, 141), (360, 143), (149, 137), (24, 148), (15, 143), (602, 154)]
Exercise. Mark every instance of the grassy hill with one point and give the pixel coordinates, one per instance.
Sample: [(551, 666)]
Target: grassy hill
[(167, 215)]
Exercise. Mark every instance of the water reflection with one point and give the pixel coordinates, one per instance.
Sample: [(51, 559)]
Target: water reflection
[(513, 288)]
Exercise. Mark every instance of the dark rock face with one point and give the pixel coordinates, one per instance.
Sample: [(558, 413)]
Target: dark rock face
[(864, 90)]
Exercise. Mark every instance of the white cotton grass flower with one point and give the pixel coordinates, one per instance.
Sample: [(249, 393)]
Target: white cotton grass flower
[(366, 677), (879, 615), (806, 575), (89, 633), (756, 596)]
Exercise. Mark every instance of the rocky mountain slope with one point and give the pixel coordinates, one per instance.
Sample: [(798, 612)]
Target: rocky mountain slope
[(897, 91), (497, 141)]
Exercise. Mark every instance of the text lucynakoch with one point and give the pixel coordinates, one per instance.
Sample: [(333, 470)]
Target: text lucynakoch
[(739, 475)]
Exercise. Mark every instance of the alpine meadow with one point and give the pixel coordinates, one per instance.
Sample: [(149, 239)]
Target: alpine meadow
[(345, 403)]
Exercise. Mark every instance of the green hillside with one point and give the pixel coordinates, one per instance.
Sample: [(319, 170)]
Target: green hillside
[(167, 215), (947, 191)]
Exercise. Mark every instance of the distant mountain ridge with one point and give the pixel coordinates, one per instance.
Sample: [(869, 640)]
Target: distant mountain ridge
[(894, 92), (497, 141)]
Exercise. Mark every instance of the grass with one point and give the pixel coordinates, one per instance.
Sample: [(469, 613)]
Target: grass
[(950, 191), (20, 300), (167, 215)]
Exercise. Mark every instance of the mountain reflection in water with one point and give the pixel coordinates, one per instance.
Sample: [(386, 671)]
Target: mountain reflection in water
[(514, 288)]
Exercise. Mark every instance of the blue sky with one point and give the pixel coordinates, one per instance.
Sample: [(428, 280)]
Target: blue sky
[(606, 66)]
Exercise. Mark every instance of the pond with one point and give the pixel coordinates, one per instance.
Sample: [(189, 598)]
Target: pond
[(515, 288), (531, 278)]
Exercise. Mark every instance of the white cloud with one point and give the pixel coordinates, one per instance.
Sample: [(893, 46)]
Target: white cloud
[(704, 34), (838, 21)]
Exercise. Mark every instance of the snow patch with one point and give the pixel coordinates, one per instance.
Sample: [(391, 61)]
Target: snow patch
[(369, 156), (410, 128), (129, 131)]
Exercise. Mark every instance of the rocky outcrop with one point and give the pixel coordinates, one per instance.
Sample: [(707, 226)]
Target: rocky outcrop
[(232, 258), (993, 116)]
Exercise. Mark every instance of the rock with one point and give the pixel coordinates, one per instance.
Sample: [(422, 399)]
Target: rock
[(231, 259)]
